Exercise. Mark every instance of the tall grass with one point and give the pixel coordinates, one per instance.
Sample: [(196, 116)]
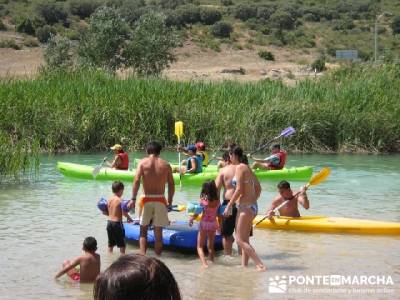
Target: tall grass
[(353, 109)]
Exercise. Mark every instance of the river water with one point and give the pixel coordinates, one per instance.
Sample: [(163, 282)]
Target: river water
[(44, 223)]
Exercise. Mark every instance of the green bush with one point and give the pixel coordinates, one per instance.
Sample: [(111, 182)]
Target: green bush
[(267, 55), (343, 24), (245, 12), (31, 42), (310, 17), (52, 12), (3, 27), (209, 16), (71, 34), (83, 8), (172, 18), (252, 23), (396, 25), (131, 10), (226, 2), (170, 4), (57, 54), (319, 64), (25, 25), (9, 43), (189, 14), (43, 33), (282, 20), (222, 29), (265, 12)]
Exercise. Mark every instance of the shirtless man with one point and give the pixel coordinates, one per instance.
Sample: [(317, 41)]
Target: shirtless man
[(89, 263), (291, 208), (155, 173), (224, 180)]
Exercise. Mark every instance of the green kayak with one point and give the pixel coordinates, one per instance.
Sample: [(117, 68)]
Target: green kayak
[(85, 172)]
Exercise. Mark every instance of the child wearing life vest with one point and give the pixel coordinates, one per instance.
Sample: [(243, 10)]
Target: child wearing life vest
[(210, 221)]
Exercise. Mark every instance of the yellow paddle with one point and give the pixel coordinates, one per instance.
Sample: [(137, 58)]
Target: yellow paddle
[(179, 133), (316, 179)]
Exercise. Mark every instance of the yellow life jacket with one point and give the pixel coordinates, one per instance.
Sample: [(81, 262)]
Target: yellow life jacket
[(204, 154)]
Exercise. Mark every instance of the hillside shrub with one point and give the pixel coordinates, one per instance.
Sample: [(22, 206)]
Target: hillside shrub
[(83, 8), (209, 16), (222, 29), (245, 12), (43, 33), (266, 55), (52, 12), (25, 25)]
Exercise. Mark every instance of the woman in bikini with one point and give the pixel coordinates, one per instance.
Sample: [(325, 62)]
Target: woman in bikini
[(247, 192)]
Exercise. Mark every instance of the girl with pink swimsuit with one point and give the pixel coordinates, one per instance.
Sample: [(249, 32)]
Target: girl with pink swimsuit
[(208, 222)]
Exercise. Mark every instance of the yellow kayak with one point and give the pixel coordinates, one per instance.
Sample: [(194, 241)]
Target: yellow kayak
[(330, 225)]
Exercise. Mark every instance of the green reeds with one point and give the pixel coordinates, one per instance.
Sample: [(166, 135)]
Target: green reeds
[(353, 109)]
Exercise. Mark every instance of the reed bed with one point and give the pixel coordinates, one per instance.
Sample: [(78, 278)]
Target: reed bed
[(355, 108)]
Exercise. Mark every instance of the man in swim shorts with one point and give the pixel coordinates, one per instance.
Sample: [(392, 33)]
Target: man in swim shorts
[(155, 173), (291, 208), (88, 264)]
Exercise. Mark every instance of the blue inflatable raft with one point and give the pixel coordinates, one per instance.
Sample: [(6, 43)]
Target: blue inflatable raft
[(179, 236)]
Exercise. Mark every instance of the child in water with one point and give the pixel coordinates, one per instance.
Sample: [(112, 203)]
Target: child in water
[(115, 227), (208, 223), (89, 263)]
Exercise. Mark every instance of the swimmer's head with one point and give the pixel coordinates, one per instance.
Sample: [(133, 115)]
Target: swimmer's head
[(89, 244), (117, 188)]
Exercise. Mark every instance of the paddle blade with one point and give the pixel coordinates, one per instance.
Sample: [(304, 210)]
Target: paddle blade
[(287, 132), (96, 171), (320, 176), (181, 208), (179, 129)]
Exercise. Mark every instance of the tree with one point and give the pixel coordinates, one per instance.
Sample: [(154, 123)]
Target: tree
[(25, 26), (151, 50), (245, 12), (209, 16), (282, 20), (83, 8), (222, 29), (103, 42), (319, 64), (51, 12), (57, 54), (396, 25), (44, 33)]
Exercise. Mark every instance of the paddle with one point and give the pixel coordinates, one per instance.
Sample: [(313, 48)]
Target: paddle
[(179, 133), (316, 179), (177, 208), (96, 170), (285, 133)]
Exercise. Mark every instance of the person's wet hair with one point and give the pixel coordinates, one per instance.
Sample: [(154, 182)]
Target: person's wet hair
[(154, 148), (283, 185), (134, 276), (90, 244), (209, 190), (117, 186), (236, 150), (225, 156)]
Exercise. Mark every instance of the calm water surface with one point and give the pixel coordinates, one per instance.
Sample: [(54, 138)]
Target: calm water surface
[(44, 223)]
